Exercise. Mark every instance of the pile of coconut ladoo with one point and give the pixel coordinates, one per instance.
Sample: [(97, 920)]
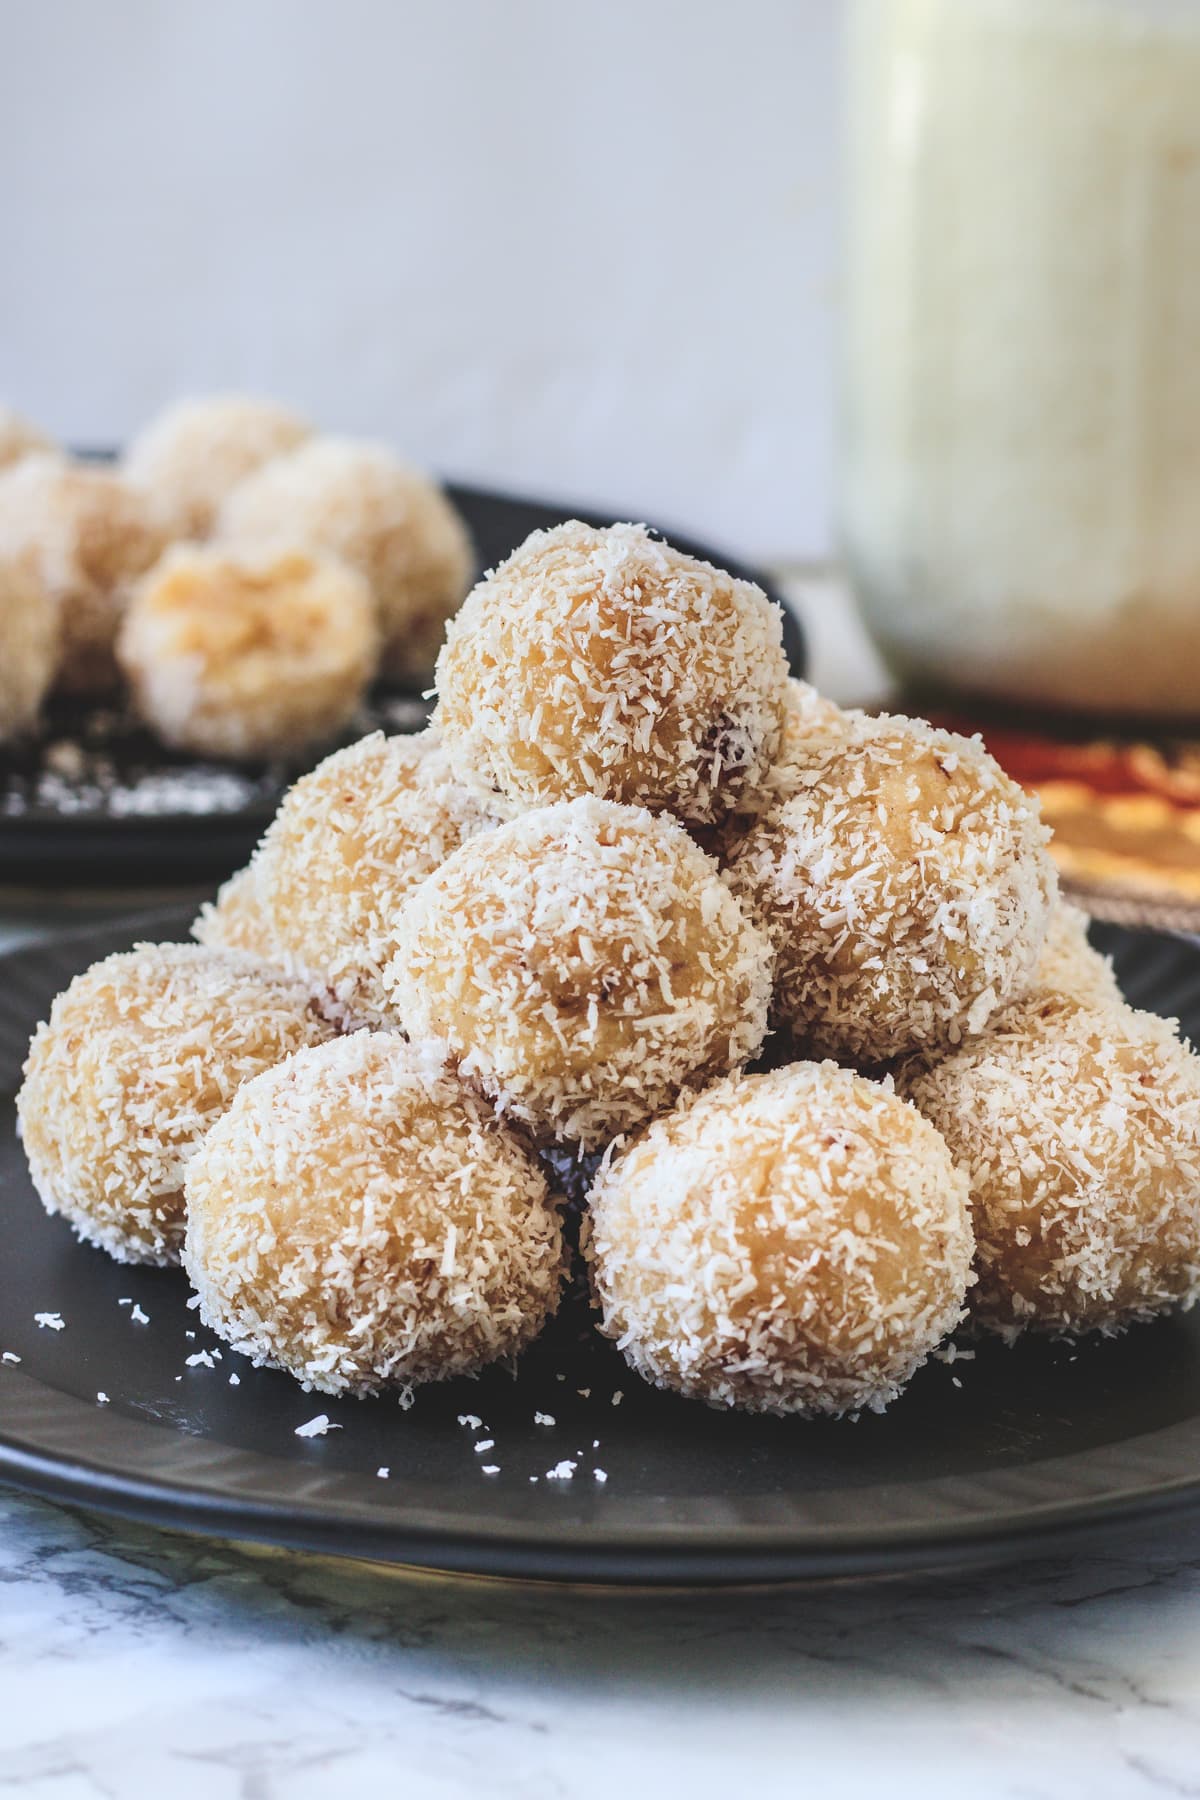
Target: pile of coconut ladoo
[(239, 579), (570, 913)]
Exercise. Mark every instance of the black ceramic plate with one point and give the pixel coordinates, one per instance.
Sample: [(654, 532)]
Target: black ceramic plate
[(980, 1460), (114, 804)]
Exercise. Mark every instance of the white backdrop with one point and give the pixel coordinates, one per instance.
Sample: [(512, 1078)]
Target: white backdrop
[(580, 246)]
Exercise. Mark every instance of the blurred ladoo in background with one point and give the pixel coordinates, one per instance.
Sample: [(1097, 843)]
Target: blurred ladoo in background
[(1021, 462)]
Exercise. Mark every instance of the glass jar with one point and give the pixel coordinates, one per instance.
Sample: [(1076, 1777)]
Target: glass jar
[(1021, 475)]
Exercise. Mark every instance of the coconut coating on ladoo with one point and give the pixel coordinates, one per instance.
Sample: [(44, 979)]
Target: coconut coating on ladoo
[(359, 1218), (249, 655), (905, 885), (387, 520), (808, 715), (1078, 1127), (1069, 964), (605, 662), (350, 840), (29, 652), (18, 438), (582, 963), (796, 1242), (237, 919), (141, 1055), (87, 536), (193, 454)]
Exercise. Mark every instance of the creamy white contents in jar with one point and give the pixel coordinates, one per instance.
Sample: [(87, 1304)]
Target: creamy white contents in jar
[(1021, 486)]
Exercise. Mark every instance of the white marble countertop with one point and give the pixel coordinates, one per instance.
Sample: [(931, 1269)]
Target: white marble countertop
[(134, 1663)]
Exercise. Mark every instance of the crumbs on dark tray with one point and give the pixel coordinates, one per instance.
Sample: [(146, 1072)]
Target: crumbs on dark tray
[(95, 761)]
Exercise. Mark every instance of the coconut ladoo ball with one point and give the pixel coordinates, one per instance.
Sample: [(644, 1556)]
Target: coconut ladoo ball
[(605, 662), (29, 644), (195, 453), (390, 522), (359, 1218), (796, 1242), (248, 655), (582, 964), (808, 716), (905, 885), (350, 841), (19, 438), (1078, 1128), (1069, 965), (87, 536), (237, 918), (141, 1055)]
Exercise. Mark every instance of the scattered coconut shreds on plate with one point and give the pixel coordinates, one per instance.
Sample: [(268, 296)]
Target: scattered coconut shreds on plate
[(235, 1379), (485, 1444), (316, 1427), (491, 1469), (618, 1396), (200, 1360), (101, 1397), (105, 772), (541, 1418), (49, 1321), (10, 1356), (562, 1471), (138, 1317), (599, 1474), (383, 1473), (471, 1421)]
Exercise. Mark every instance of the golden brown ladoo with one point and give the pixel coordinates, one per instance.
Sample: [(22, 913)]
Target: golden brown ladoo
[(19, 438), (141, 1055), (807, 716), (359, 1218), (389, 521), (905, 885), (237, 918), (351, 839), (1078, 1127), (193, 454), (1069, 965), (582, 963), (249, 655), (605, 662), (87, 536), (796, 1242), (29, 653)]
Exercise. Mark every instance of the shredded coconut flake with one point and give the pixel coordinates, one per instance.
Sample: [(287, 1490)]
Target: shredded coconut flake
[(317, 1427)]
